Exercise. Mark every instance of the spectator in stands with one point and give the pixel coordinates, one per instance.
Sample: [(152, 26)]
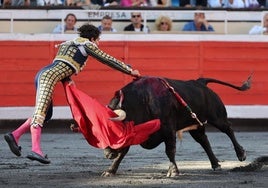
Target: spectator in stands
[(241, 4), (199, 3), (136, 23), (190, 3), (263, 3), (6, 3), (105, 3), (69, 60), (52, 2), (69, 26), (160, 3), (257, 29), (198, 24), (216, 3), (106, 24), (163, 23), (78, 3), (134, 3), (16, 3), (181, 3)]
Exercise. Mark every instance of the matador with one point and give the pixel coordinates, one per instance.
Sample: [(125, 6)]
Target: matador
[(70, 59)]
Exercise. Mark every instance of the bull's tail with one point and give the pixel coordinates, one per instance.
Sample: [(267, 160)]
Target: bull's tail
[(245, 86)]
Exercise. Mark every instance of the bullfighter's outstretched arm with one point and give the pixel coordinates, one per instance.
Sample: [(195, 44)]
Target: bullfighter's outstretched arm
[(105, 58)]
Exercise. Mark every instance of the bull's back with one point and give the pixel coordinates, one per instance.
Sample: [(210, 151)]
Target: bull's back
[(200, 98)]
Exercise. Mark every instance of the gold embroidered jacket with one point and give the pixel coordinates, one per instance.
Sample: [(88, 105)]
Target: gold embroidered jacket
[(75, 53)]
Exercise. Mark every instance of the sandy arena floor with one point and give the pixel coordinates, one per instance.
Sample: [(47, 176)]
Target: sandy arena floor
[(77, 164)]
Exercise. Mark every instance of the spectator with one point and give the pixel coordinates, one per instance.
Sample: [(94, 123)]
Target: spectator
[(106, 24), (134, 3), (199, 3), (52, 2), (163, 23), (216, 3), (16, 2), (241, 3), (198, 24), (183, 3), (262, 3), (257, 29), (105, 3), (160, 3), (78, 3), (136, 23), (192, 3), (6, 3), (70, 21), (175, 3), (252, 4)]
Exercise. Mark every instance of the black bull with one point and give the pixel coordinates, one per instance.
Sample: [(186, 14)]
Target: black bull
[(148, 98)]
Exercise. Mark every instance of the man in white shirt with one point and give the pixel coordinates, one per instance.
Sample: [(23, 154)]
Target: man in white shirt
[(257, 29)]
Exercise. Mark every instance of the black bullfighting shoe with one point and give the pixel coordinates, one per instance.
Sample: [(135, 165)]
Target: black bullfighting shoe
[(12, 144), (36, 157)]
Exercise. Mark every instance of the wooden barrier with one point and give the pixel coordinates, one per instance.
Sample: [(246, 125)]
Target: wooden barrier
[(175, 56)]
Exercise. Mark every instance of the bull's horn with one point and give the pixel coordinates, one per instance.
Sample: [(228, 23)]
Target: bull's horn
[(121, 115)]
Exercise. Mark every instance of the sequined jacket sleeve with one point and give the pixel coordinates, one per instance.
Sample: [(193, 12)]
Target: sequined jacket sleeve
[(103, 57)]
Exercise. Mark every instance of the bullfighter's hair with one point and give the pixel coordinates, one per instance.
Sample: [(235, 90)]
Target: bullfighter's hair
[(89, 31)]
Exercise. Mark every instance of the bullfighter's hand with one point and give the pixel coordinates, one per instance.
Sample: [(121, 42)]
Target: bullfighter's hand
[(68, 80), (135, 73)]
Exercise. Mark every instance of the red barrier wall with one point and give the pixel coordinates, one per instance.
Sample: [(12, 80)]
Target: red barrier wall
[(227, 61)]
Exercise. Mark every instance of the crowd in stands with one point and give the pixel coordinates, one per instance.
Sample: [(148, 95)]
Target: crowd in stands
[(139, 3), (162, 24)]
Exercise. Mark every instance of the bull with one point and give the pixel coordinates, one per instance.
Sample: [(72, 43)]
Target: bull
[(149, 98)]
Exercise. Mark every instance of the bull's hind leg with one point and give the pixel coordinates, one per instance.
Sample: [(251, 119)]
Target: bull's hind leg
[(171, 151), (225, 127), (200, 137)]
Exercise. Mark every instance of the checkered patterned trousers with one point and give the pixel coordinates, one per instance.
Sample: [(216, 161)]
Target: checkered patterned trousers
[(46, 80)]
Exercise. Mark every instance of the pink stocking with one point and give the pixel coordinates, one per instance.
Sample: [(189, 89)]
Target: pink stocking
[(36, 138), (22, 129)]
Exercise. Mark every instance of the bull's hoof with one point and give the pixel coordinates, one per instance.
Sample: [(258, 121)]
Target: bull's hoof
[(173, 172), (107, 174), (242, 156), (216, 167)]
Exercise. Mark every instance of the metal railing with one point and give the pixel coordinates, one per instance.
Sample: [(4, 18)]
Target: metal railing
[(223, 17)]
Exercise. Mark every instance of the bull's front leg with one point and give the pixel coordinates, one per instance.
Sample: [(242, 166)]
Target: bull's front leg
[(171, 151), (120, 154)]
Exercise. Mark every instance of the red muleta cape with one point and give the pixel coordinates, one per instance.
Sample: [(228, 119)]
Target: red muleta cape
[(101, 132)]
